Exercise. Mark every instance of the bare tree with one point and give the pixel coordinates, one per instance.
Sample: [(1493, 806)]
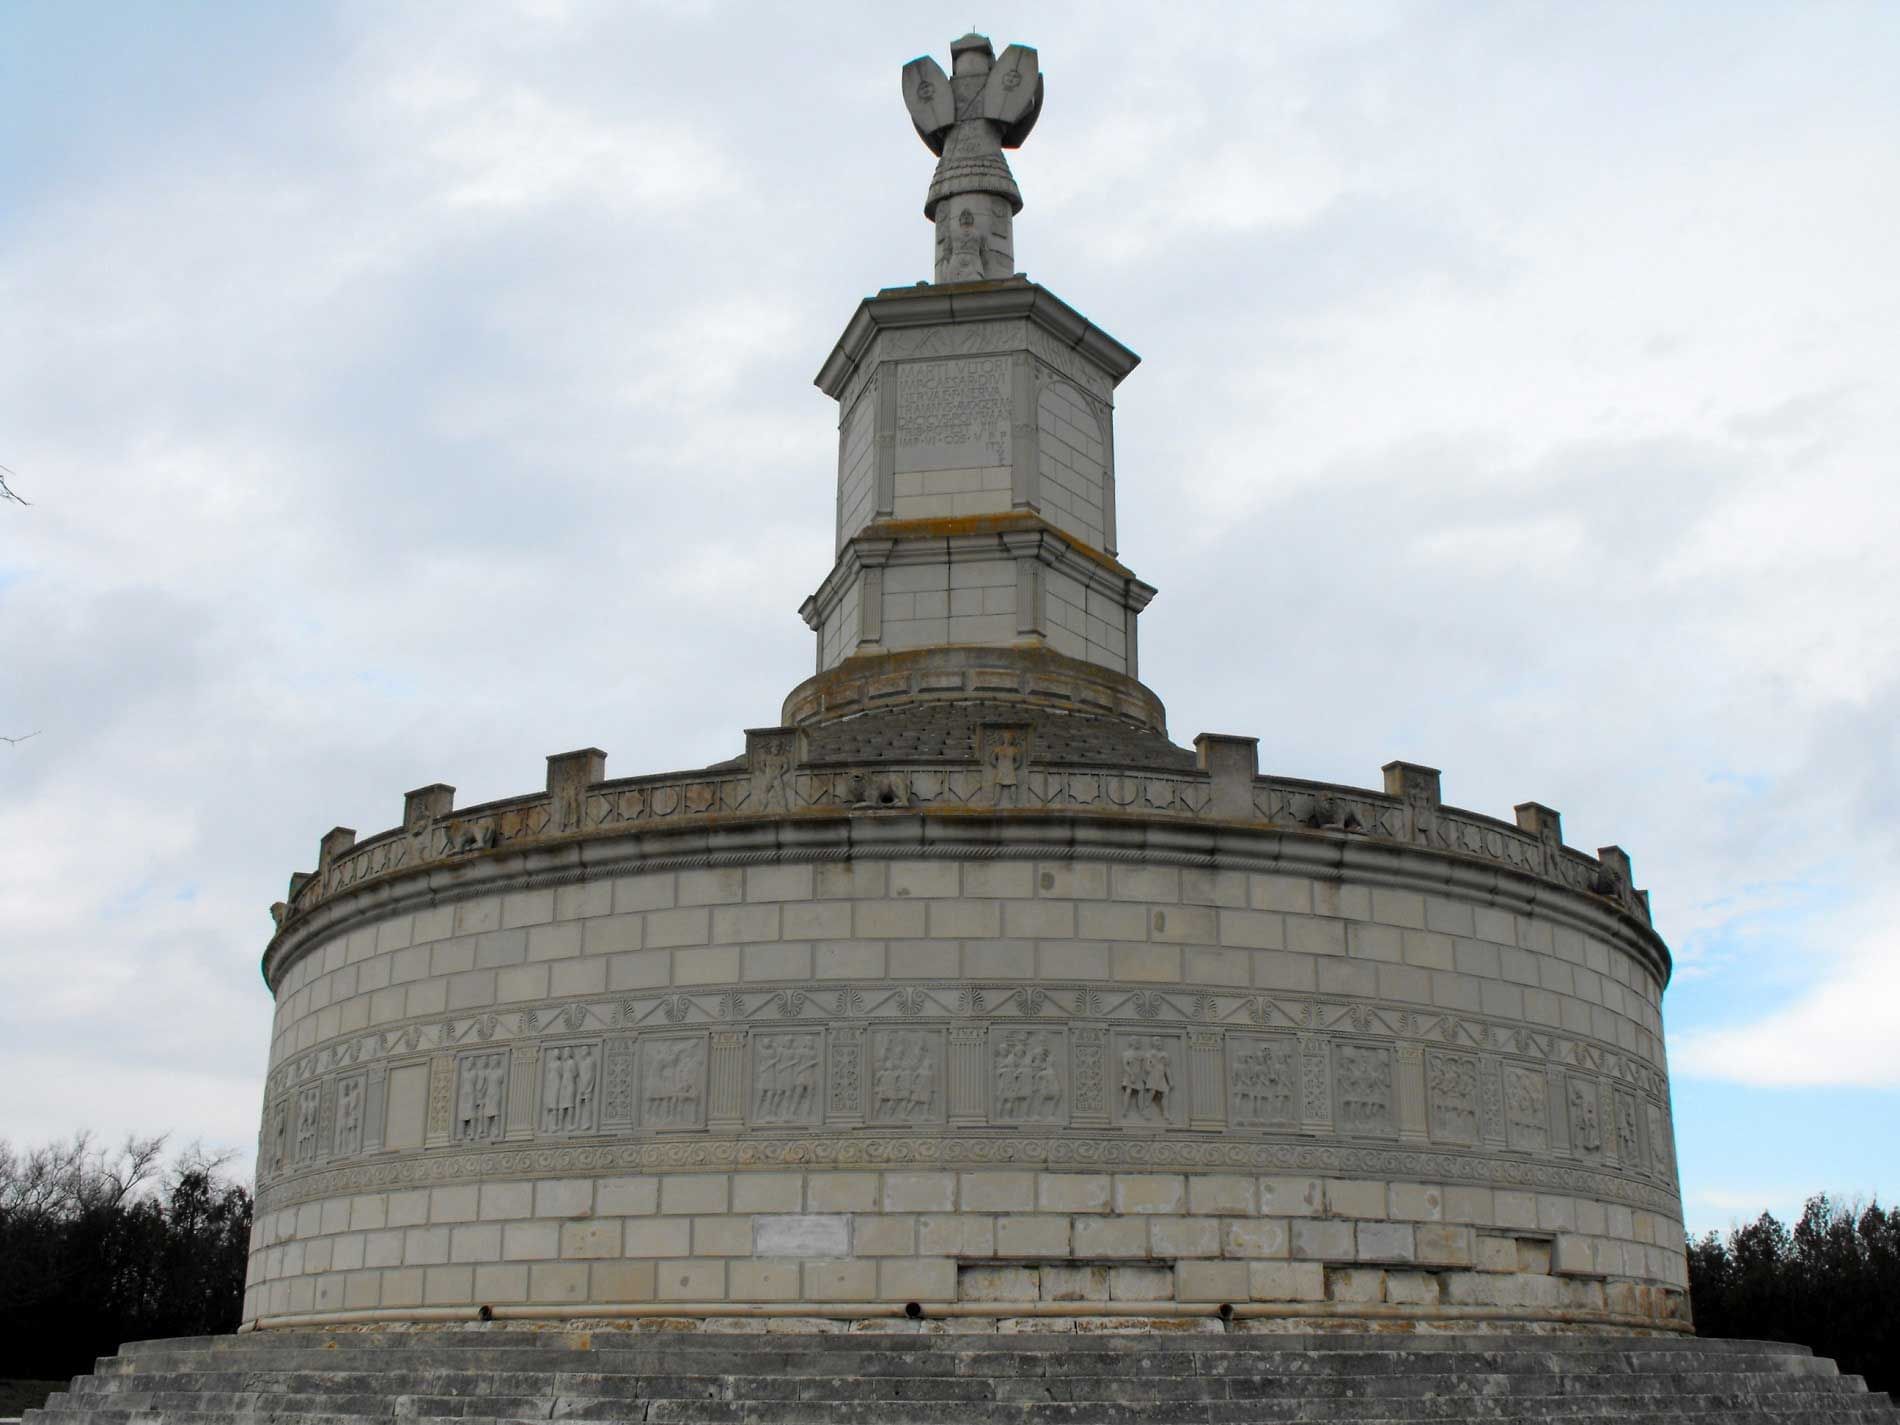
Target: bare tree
[(62, 1181)]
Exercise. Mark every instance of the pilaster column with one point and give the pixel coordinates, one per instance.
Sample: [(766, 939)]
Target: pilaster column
[(375, 1107), (1559, 1114), (886, 452), (726, 1106), (1205, 1061), (524, 1066), (1411, 1095), (969, 1103), (1025, 452)]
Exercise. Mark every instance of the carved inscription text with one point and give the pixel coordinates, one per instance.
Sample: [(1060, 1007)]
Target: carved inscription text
[(953, 414)]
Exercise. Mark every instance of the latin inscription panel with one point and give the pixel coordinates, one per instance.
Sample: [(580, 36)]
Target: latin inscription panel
[(953, 415)]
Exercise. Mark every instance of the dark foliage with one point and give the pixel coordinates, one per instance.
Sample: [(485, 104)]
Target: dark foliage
[(96, 1251), (1833, 1283)]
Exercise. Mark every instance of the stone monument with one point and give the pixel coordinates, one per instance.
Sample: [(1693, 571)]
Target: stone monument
[(964, 988), (964, 999)]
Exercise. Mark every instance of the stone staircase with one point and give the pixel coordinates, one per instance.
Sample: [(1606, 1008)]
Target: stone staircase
[(499, 1373)]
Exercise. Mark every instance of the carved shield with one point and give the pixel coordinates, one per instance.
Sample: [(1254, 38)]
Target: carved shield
[(927, 95), (1012, 96)]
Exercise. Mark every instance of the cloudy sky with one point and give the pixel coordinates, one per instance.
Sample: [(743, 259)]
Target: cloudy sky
[(405, 393)]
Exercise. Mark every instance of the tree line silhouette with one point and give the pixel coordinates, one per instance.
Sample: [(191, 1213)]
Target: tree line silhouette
[(99, 1246), (1831, 1283)]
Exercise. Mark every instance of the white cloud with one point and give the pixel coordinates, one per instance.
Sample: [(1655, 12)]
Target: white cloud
[(1837, 1025), (1526, 391)]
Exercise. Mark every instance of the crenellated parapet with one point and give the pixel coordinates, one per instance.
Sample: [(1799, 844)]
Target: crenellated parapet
[(1002, 770)]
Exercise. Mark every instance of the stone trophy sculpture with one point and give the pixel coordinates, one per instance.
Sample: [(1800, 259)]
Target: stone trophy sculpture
[(968, 119)]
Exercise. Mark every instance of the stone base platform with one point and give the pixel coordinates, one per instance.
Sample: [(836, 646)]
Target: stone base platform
[(928, 1372)]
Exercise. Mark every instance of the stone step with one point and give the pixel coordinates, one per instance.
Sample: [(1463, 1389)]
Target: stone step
[(696, 1412), (1440, 1398), (706, 1378), (1431, 1400), (488, 1338), (773, 1353), (1266, 1381)]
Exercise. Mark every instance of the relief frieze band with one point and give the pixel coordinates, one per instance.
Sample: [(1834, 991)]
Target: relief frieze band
[(1260, 1065)]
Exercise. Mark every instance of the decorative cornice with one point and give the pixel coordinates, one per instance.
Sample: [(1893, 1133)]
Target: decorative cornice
[(925, 305)]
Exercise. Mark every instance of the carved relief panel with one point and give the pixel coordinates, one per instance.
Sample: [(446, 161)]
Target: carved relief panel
[(1526, 1108), (305, 1109), (1662, 1150), (905, 1073), (481, 1097), (1148, 1072), (1028, 1076), (1363, 1097), (1263, 1081), (1629, 1144), (672, 1076), (617, 1083), (352, 1099), (847, 1085), (1585, 1117), (787, 1080), (1451, 1096), (570, 1089), (277, 1155)]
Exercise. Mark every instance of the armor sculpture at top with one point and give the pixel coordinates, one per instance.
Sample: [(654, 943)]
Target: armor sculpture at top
[(988, 105)]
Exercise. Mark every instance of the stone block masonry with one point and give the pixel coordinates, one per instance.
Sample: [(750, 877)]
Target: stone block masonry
[(1168, 1083)]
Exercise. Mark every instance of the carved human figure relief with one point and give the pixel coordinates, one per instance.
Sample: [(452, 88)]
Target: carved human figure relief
[(1363, 1077), (280, 1139), (1028, 1074), (1262, 1082), (1629, 1143), (673, 1083), (481, 1092), (309, 1103), (786, 1073), (570, 1080), (1003, 753), (772, 775), (1146, 1070), (1451, 1090), (1586, 1132), (1526, 1121), (906, 1076), (350, 1095)]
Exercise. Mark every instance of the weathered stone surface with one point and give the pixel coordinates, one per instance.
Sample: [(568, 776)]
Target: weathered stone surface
[(919, 1371), (967, 981)]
